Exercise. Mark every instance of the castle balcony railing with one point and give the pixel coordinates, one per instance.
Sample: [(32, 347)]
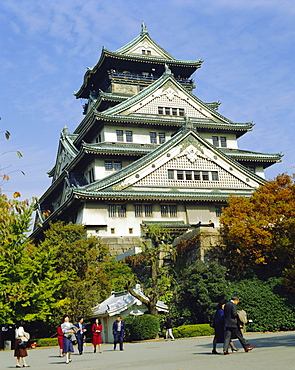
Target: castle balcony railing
[(146, 77)]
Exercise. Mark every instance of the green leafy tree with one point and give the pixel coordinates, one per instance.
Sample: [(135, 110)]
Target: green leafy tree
[(28, 282), (201, 287), (259, 232)]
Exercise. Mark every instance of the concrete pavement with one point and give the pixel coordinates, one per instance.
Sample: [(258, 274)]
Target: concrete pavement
[(273, 351)]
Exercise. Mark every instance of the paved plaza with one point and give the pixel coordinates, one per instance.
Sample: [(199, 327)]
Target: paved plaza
[(273, 351)]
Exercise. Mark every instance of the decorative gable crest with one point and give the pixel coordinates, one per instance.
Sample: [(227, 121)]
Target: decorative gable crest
[(193, 154)]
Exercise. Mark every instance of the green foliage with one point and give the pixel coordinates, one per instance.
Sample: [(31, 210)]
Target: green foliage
[(197, 330), (46, 342), (27, 281), (265, 304), (141, 327), (201, 287)]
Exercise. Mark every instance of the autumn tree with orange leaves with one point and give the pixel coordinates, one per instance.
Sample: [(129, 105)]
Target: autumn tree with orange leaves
[(259, 231)]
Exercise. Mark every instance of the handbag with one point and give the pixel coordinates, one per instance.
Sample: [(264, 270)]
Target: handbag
[(22, 344)]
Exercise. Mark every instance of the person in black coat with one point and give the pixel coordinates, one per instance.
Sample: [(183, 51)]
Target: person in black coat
[(231, 326), (118, 332)]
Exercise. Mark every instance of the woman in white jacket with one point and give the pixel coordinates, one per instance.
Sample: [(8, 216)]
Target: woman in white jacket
[(20, 353)]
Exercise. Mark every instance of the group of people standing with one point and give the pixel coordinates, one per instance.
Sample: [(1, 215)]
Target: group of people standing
[(69, 334), (228, 324)]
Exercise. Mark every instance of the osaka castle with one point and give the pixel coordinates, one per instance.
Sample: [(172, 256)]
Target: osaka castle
[(147, 151)]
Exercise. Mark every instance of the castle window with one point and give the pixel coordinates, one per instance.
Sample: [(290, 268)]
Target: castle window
[(181, 112), (130, 231), (91, 175), (167, 111), (138, 210), (173, 210), (171, 174), (218, 211), (119, 135), (153, 137), (148, 52), (108, 165), (205, 175), (179, 175), (214, 175), (143, 52), (117, 166), (188, 175), (197, 175), (112, 210), (121, 210), (223, 142), (129, 138), (112, 231), (160, 110), (148, 210), (164, 210), (215, 140), (161, 137), (174, 111)]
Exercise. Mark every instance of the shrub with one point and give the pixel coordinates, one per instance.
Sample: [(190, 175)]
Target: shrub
[(266, 304), (141, 327), (46, 342), (197, 330)]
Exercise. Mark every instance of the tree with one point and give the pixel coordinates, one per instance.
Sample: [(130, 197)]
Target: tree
[(259, 232), (78, 257), (27, 281), (201, 287), (148, 266)]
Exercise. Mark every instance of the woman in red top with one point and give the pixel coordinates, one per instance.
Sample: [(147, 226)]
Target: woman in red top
[(96, 335), (60, 338)]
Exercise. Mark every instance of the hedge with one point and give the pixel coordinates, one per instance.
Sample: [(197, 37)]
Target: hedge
[(141, 327), (46, 342), (197, 330)]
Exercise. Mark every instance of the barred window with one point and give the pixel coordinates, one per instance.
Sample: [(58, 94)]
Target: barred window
[(153, 137), (218, 211), (197, 175), (179, 175), (214, 176), (108, 165), (188, 175), (117, 166), (215, 140), (112, 210), (129, 138), (91, 175), (173, 210), (223, 142), (174, 111), (171, 174), (161, 137), (164, 210), (138, 210), (181, 112), (121, 210), (148, 210), (119, 135), (205, 175), (160, 110), (167, 111)]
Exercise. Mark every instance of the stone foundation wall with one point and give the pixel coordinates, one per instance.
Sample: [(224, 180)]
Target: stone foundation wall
[(122, 244)]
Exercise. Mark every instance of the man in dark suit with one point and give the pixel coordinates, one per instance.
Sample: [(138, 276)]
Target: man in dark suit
[(231, 326), (118, 332), (80, 334)]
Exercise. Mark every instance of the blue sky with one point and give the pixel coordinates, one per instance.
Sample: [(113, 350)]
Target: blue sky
[(247, 47)]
